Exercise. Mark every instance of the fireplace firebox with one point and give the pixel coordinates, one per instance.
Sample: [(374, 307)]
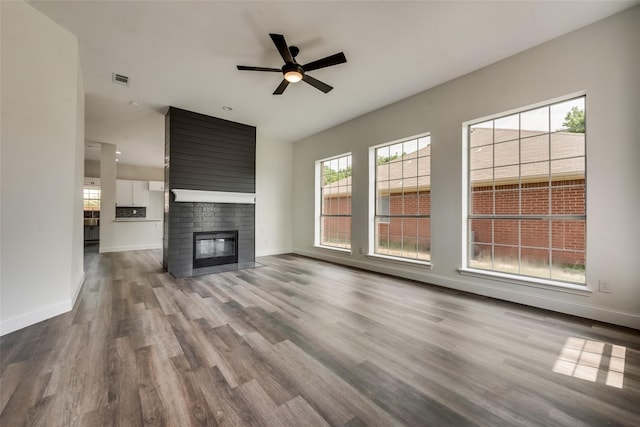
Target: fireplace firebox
[(215, 248)]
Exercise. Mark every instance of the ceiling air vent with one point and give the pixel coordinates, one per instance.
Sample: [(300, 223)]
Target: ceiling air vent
[(120, 79)]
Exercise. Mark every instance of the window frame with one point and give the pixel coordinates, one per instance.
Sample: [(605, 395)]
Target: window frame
[(386, 218), (520, 278), (319, 215)]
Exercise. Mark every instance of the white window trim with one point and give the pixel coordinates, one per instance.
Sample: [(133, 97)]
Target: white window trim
[(536, 282), (318, 204), (334, 248), (464, 244), (401, 260), (372, 203)]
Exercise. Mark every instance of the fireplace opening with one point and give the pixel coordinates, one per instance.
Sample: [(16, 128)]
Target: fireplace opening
[(215, 248)]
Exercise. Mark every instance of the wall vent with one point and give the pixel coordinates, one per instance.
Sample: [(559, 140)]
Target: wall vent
[(120, 79)]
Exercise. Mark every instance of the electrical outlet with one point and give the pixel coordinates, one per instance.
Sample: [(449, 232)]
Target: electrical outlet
[(604, 286), (361, 250)]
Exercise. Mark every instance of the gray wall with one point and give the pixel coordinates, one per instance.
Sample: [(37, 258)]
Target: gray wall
[(124, 171), (92, 168), (603, 60), (139, 173)]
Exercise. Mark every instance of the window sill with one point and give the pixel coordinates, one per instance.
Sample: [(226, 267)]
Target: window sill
[(400, 260), (526, 281), (333, 248)]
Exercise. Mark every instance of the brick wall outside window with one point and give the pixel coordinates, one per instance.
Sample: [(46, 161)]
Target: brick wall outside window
[(567, 237), (568, 197), (411, 230), (336, 228)]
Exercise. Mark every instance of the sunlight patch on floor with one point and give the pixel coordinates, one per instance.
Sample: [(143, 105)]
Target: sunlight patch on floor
[(580, 358)]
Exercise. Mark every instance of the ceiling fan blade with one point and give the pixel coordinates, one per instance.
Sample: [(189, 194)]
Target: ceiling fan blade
[(317, 83), (249, 68), (281, 45), (282, 87), (335, 59)]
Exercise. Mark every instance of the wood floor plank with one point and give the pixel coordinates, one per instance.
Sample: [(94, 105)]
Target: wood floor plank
[(308, 380), (195, 351), (401, 400), (199, 413), (121, 321), (153, 329), (357, 403), (301, 342), (436, 376), (167, 304), (26, 395), (228, 408), (153, 409), (207, 285), (260, 404), (298, 412), (277, 387), (123, 393), (11, 377), (40, 414)]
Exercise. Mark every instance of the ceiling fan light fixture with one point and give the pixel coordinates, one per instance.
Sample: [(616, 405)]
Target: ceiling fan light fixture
[(293, 76), (292, 71)]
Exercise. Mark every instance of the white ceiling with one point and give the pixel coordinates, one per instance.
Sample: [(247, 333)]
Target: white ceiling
[(184, 54)]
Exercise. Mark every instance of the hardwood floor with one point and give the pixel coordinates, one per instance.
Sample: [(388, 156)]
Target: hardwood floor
[(299, 342)]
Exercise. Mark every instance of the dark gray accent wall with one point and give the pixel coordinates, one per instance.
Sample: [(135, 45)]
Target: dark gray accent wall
[(211, 154), (167, 193), (207, 153)]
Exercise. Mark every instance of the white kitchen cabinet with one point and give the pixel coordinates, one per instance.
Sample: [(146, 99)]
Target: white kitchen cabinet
[(156, 185), (140, 193), (124, 192), (132, 193), (91, 181)]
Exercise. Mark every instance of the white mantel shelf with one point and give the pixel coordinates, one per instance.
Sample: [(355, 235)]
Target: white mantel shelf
[(213, 196)]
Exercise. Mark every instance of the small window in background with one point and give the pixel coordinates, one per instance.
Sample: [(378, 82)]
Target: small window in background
[(91, 199)]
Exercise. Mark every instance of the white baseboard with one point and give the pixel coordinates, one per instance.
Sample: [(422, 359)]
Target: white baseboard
[(33, 317), (130, 248), (76, 291), (514, 294), (272, 251)]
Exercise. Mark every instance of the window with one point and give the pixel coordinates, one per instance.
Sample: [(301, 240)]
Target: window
[(402, 224), (91, 199), (335, 202), (526, 206)]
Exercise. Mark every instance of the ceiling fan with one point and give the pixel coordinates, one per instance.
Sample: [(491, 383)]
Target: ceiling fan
[(294, 72)]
